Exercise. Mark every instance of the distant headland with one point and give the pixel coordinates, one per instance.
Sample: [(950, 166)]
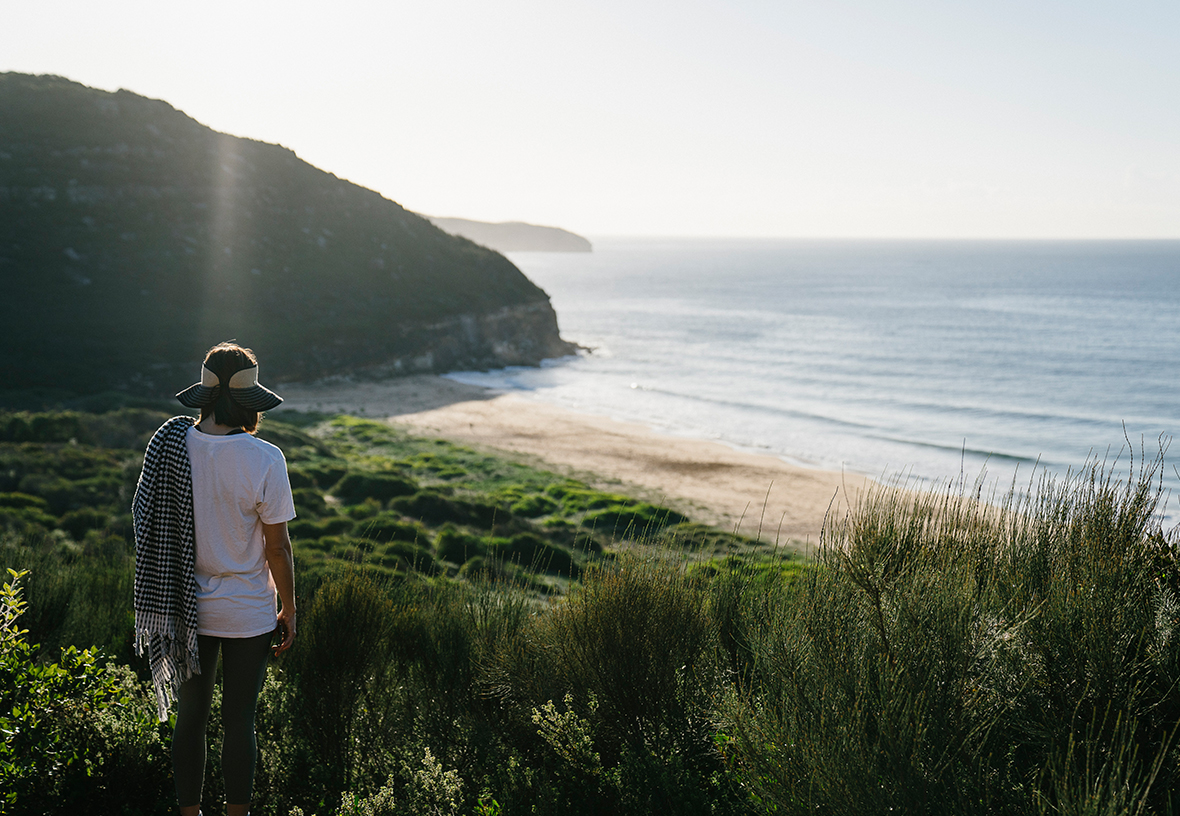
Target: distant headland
[(513, 236), (133, 237)]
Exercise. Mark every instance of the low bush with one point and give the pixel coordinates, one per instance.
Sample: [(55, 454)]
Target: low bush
[(620, 681), (77, 734), (633, 520), (300, 478), (391, 527), (317, 528), (23, 500), (534, 505), (535, 553), (78, 522), (324, 475), (355, 487), (309, 502), (456, 546), (433, 507), (576, 497), (693, 536), (26, 520), (41, 427)]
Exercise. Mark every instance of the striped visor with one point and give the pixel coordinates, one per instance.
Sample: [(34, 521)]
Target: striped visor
[(243, 389)]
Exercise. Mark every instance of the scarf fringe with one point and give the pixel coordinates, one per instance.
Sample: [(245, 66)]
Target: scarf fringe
[(171, 649)]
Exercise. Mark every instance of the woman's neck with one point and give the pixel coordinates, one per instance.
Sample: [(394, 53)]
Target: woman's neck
[(209, 425)]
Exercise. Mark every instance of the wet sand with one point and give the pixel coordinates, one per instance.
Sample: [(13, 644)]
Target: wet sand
[(757, 495)]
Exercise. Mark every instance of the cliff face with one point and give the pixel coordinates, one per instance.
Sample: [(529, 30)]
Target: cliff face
[(513, 335), (132, 238)]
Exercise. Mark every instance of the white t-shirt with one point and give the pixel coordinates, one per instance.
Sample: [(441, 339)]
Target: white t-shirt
[(239, 482)]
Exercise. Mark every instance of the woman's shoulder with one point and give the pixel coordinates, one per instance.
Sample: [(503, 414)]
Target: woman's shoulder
[(266, 449), (177, 426), (167, 443)]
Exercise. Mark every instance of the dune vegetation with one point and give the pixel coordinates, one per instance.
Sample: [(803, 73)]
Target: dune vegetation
[(478, 636)]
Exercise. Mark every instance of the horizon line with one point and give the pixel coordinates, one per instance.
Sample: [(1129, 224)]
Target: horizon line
[(967, 238)]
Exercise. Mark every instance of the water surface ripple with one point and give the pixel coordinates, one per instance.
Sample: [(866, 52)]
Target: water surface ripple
[(879, 357)]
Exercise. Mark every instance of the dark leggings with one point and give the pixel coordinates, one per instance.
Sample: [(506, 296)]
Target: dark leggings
[(243, 671)]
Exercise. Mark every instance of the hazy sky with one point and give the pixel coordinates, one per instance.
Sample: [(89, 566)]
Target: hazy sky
[(694, 117)]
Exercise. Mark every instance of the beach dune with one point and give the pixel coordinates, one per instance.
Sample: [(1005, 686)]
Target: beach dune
[(756, 495)]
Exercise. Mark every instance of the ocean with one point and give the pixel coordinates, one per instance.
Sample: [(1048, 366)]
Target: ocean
[(923, 360)]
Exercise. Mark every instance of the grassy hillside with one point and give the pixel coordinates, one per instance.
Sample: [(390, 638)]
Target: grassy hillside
[(132, 238), (940, 656), (369, 497)]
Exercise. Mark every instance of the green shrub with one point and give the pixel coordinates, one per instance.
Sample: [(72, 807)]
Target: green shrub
[(633, 653), (310, 529), (77, 734), (355, 487), (404, 556), (26, 520), (457, 546), (77, 595), (324, 474), (323, 544), (126, 427), (40, 427), (391, 527), (450, 472), (23, 500), (341, 672), (58, 493), (633, 520), (576, 497), (309, 502), (534, 505), (300, 478), (475, 566), (569, 534), (433, 507), (535, 553), (485, 569), (78, 522), (701, 537), (365, 510)]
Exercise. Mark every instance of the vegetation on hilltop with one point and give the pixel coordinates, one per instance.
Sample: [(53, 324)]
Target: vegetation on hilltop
[(133, 238)]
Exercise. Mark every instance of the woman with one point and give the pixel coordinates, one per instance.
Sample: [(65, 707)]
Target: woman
[(212, 551)]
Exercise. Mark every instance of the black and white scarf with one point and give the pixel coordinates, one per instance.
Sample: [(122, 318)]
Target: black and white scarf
[(165, 586)]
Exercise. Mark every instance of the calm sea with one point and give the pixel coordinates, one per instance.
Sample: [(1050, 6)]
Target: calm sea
[(926, 359)]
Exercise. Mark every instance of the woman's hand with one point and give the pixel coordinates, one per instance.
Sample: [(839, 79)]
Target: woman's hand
[(282, 569), (286, 627)]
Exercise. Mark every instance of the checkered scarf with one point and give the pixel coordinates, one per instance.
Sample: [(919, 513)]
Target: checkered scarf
[(165, 587)]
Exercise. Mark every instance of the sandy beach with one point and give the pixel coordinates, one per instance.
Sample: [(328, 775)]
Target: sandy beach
[(755, 494)]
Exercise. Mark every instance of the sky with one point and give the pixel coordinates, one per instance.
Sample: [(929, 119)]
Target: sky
[(775, 118)]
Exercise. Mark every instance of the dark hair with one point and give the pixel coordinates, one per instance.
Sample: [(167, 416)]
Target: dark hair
[(224, 360)]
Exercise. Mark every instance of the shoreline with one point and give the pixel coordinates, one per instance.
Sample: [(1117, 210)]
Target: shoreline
[(758, 495)]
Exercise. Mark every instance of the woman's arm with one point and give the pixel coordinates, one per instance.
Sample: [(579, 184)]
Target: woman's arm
[(282, 569)]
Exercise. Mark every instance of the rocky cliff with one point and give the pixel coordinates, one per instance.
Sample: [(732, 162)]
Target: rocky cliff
[(132, 238)]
